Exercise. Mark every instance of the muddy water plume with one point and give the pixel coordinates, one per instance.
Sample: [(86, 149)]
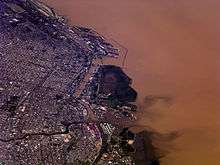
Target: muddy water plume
[(173, 51)]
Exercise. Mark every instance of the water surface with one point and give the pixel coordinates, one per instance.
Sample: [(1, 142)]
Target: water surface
[(173, 52)]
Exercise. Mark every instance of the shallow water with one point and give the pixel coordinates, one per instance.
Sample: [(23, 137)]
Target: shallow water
[(173, 53)]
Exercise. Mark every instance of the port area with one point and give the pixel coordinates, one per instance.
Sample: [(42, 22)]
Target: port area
[(58, 103)]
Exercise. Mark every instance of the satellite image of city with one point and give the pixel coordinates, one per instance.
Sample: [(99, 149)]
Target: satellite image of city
[(59, 104)]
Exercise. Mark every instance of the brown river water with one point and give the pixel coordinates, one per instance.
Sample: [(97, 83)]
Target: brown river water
[(173, 53)]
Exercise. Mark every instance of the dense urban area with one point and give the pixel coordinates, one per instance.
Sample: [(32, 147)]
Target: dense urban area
[(58, 104)]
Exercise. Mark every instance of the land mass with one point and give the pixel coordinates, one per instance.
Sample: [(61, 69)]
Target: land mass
[(46, 118)]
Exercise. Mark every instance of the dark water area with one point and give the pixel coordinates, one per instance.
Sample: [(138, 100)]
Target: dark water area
[(173, 59)]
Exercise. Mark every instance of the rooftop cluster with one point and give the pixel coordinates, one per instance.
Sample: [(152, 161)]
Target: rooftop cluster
[(43, 64)]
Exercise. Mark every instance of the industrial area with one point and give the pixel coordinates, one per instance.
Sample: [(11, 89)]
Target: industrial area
[(46, 115)]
